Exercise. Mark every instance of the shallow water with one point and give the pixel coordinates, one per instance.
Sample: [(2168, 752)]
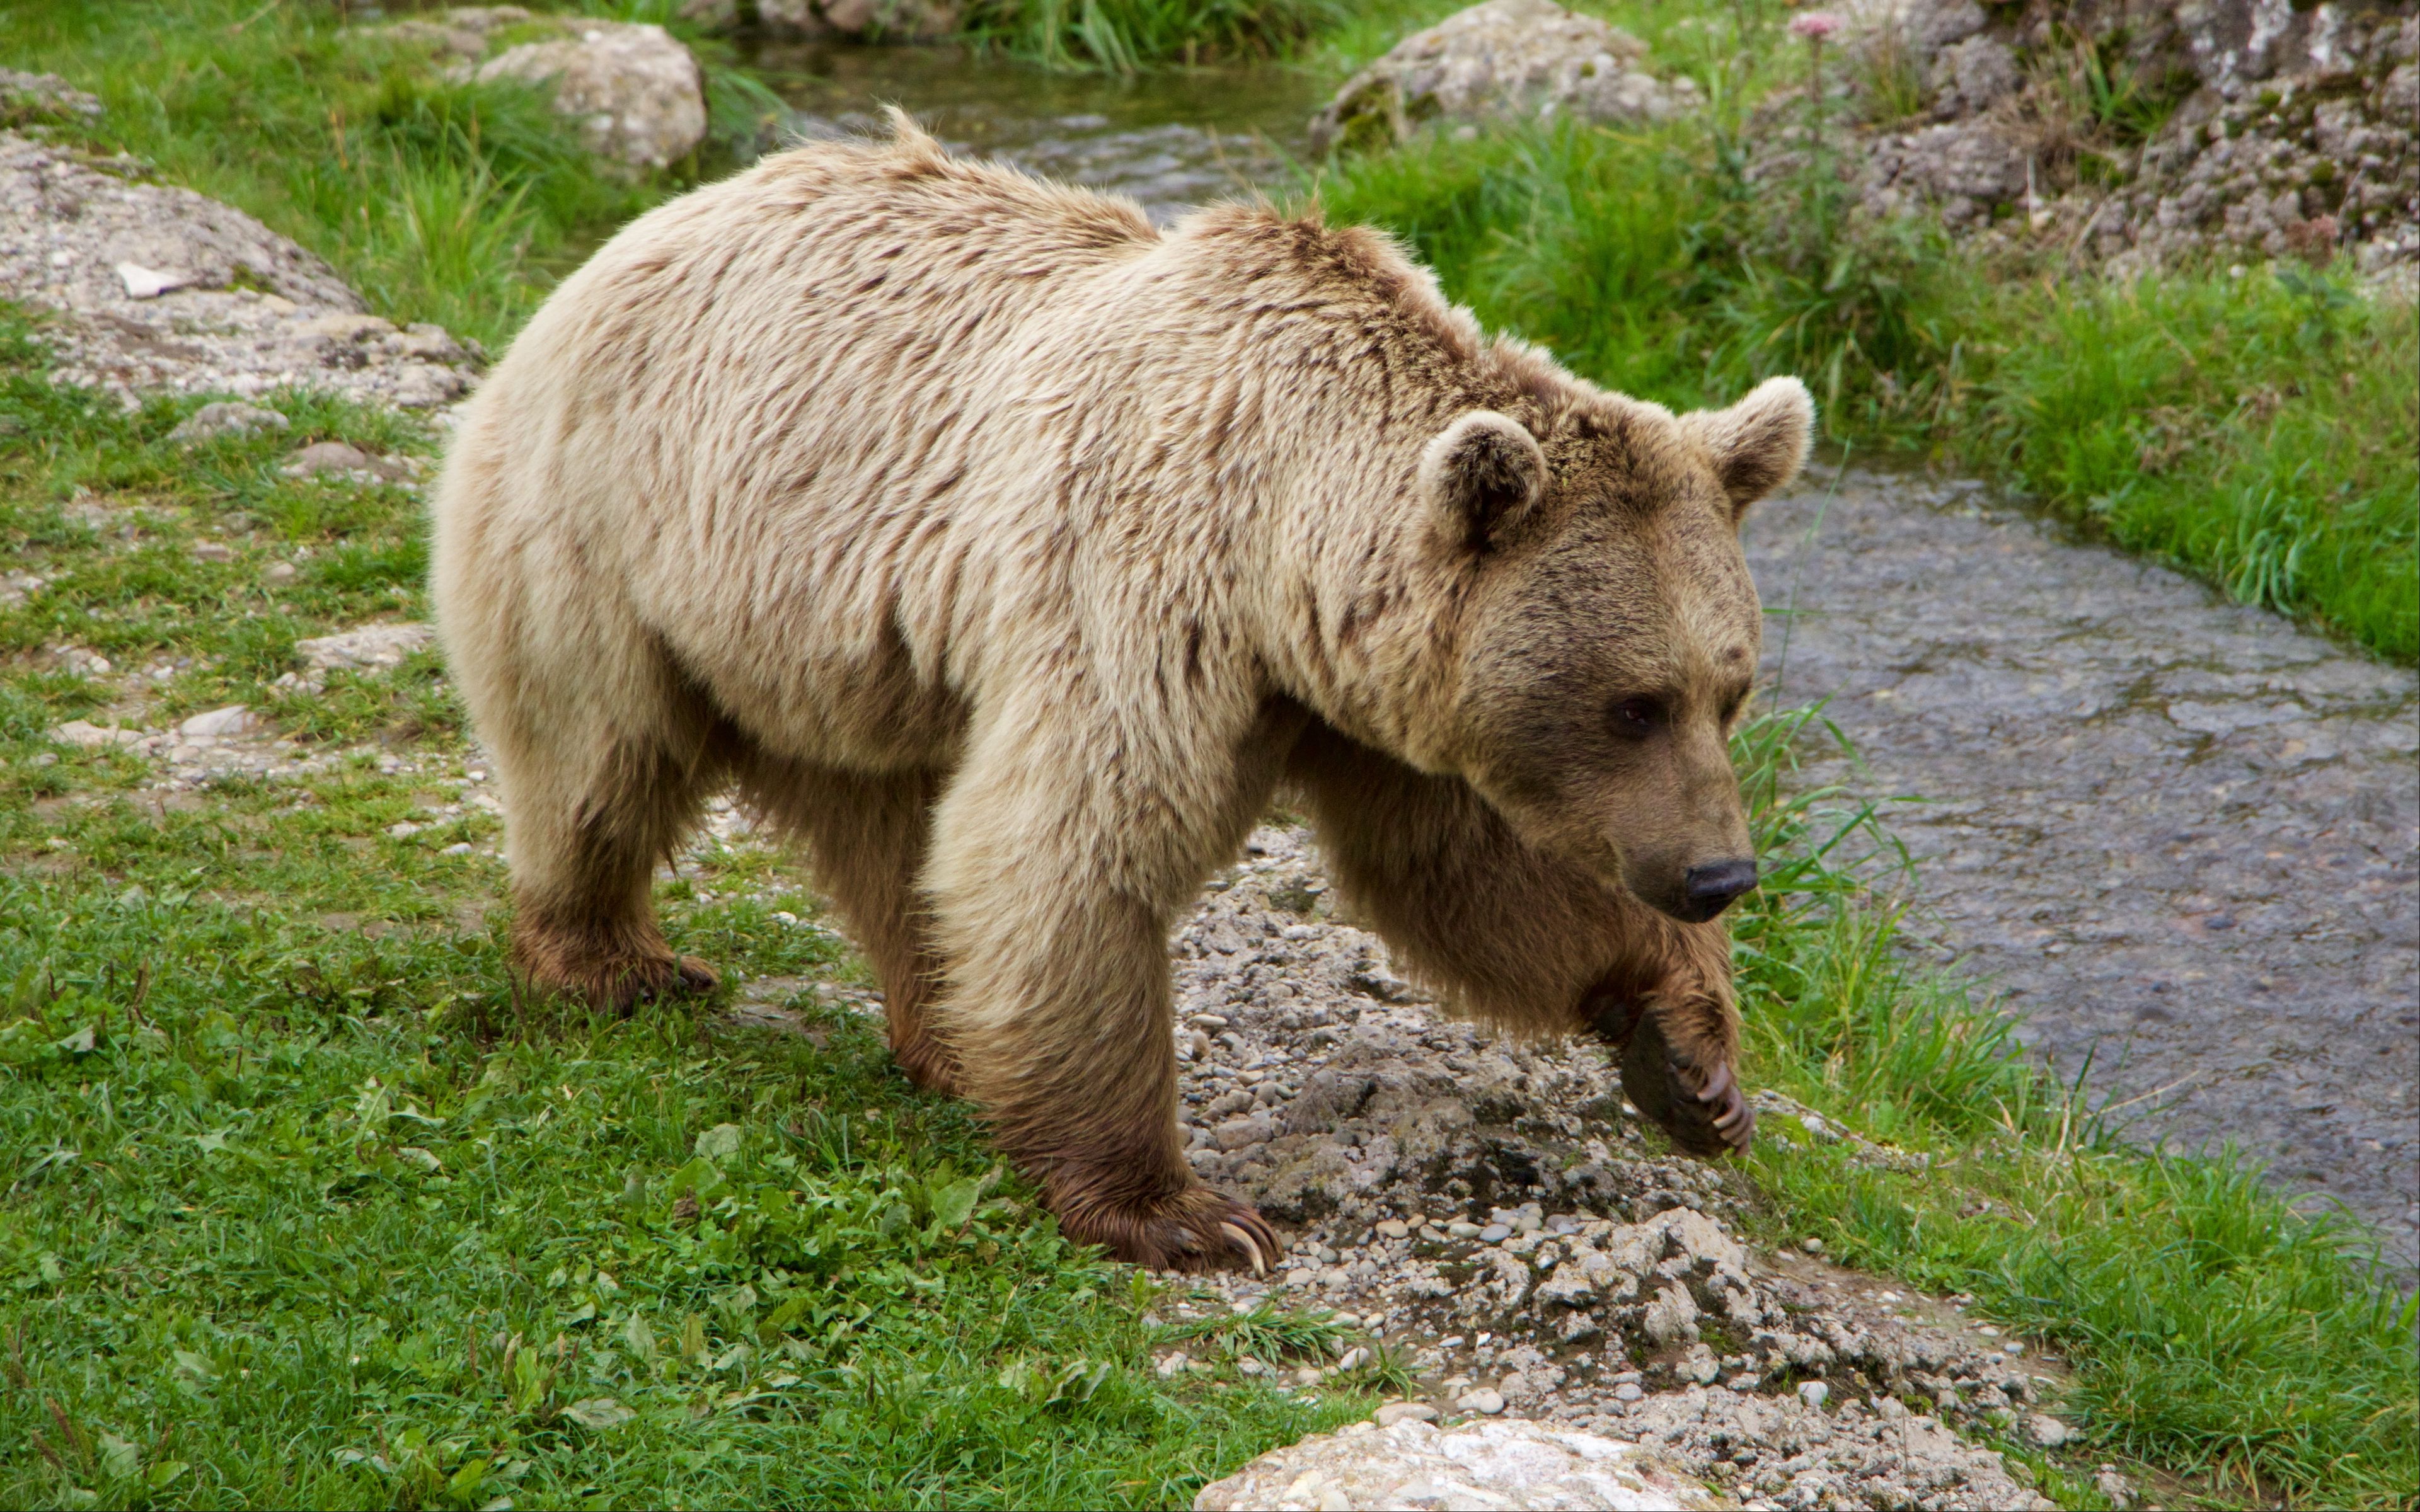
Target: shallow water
[(1167, 140)]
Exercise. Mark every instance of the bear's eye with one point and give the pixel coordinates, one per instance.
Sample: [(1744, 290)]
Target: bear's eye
[(1636, 719)]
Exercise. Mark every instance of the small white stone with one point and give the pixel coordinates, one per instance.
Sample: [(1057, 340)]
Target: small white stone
[(149, 282), (235, 719), (1484, 1400), (2046, 1431), (1813, 1393), (1394, 1412)]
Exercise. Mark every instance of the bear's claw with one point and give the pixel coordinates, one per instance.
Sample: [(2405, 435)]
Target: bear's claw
[(1193, 1229), (1701, 1110), (1248, 1244)]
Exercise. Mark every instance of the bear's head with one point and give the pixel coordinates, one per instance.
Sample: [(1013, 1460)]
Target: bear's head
[(1613, 632)]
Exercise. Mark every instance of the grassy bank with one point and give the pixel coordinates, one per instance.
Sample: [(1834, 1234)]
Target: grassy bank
[(2258, 427), (2214, 1332), (300, 1212)]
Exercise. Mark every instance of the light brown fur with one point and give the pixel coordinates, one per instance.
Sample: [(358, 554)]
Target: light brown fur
[(1014, 554)]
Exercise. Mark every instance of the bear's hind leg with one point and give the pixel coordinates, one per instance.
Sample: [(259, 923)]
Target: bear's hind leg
[(588, 815), (867, 836)]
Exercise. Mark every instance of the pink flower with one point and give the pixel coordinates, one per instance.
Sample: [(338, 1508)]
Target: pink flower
[(1815, 25)]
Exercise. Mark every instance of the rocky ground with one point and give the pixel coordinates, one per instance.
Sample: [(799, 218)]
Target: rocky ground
[(2139, 135), (2179, 835)]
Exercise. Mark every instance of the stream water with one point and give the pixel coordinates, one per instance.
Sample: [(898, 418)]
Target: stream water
[(2177, 835), (1166, 140)]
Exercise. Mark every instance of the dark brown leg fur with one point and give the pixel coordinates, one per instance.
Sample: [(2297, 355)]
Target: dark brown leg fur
[(584, 867), (1526, 941), (867, 838)]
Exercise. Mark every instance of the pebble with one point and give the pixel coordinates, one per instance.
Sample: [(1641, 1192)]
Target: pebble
[(1394, 1412), (1813, 1393), (2046, 1431), (235, 719), (1484, 1400)]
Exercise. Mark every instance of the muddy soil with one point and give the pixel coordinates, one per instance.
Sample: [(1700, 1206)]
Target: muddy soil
[(2179, 837)]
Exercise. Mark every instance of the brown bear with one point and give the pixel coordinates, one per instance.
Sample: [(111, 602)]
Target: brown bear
[(1014, 554)]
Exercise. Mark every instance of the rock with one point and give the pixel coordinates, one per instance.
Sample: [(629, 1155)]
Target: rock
[(871, 21), (43, 97), (1394, 1412), (1484, 1400), (639, 96), (461, 33), (711, 15), (2275, 131), (373, 647), (1482, 1465), (2117, 1488), (2046, 1431), (1813, 1393), (326, 457), (235, 719), (1503, 60), (149, 283), (242, 316), (92, 736), (227, 417)]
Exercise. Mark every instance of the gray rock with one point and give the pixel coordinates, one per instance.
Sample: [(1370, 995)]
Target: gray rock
[(870, 21), (1484, 1400), (93, 737), (638, 95), (325, 457), (1484, 1465), (2290, 133), (372, 647), (1394, 1412), (2046, 1431), (250, 312), (235, 719), (43, 97), (227, 417), (1503, 60)]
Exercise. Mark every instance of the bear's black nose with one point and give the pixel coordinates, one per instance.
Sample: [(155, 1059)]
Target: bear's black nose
[(1710, 888)]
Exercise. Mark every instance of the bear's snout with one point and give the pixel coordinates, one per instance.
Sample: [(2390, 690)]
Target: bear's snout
[(1707, 890)]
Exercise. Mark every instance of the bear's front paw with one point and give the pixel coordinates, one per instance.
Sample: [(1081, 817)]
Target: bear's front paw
[(1194, 1229), (1701, 1109)]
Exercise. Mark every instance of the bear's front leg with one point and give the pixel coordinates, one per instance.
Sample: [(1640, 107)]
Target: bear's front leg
[(1671, 1019), (1054, 878)]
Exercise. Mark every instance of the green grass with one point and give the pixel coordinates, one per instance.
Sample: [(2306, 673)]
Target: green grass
[(456, 203), (1122, 36), (2215, 1332), (304, 1209), (2262, 431)]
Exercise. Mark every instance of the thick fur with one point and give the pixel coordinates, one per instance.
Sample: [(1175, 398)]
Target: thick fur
[(1013, 554)]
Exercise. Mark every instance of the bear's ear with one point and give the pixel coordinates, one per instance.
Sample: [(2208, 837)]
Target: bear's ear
[(1482, 473), (1758, 444)]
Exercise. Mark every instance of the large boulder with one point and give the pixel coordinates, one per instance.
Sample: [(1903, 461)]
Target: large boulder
[(637, 93), (157, 288), (1504, 60), (2143, 133), (1408, 1463)]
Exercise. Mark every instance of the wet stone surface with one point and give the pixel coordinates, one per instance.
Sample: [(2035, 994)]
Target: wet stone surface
[(2176, 834)]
